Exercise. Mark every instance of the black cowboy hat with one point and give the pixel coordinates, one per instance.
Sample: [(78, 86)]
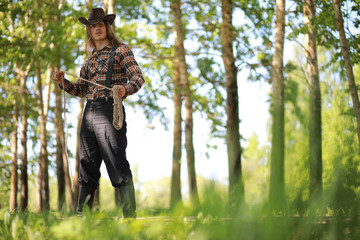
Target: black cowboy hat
[(97, 15)]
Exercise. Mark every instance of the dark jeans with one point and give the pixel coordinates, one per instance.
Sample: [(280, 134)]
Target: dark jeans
[(99, 140)]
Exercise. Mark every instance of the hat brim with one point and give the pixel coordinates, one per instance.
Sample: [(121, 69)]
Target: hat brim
[(109, 18)]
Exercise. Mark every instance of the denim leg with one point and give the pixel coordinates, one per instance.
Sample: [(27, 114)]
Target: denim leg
[(112, 145), (89, 152)]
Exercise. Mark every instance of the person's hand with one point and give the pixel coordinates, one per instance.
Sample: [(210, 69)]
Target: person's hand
[(122, 91), (58, 77)]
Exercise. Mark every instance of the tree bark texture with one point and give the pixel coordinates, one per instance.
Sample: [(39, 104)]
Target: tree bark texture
[(14, 143), (175, 191), (187, 92), (59, 149), (58, 121), (236, 189), (14, 163), (23, 140), (348, 65), (64, 178), (276, 194), (43, 178), (315, 138)]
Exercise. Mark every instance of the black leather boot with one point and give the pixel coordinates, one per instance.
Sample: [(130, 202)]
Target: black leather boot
[(128, 203), (86, 196)]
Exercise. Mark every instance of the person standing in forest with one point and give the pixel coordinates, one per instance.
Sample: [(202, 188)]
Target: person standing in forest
[(99, 140)]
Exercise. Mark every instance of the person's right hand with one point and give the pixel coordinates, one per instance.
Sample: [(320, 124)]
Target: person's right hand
[(58, 77)]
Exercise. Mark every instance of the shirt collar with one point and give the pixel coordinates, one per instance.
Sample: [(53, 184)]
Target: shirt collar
[(107, 46)]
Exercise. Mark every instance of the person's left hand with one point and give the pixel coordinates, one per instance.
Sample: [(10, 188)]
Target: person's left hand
[(122, 91)]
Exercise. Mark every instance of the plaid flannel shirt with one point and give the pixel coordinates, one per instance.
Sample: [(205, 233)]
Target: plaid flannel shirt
[(126, 72)]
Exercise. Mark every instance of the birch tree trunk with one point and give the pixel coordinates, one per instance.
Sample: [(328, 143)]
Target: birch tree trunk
[(59, 123), (175, 190), (59, 148), (14, 165), (236, 189), (276, 195), (43, 178), (315, 139), (187, 91), (23, 140), (348, 65), (23, 157), (14, 144)]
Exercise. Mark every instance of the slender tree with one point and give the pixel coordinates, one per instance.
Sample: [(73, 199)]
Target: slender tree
[(59, 123), (19, 17), (188, 98), (176, 196), (178, 88), (348, 65), (23, 139), (43, 187), (59, 148), (63, 173), (14, 147), (236, 189), (315, 139), (175, 189), (14, 163), (276, 196), (64, 181)]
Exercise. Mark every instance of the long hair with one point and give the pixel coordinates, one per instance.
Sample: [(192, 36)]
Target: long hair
[(114, 40)]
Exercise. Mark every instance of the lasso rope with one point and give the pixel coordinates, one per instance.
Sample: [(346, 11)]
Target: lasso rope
[(99, 85)]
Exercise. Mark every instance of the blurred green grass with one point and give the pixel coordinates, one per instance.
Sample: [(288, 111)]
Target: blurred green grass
[(212, 219)]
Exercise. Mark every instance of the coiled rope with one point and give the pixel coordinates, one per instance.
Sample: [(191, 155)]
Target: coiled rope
[(118, 115)]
